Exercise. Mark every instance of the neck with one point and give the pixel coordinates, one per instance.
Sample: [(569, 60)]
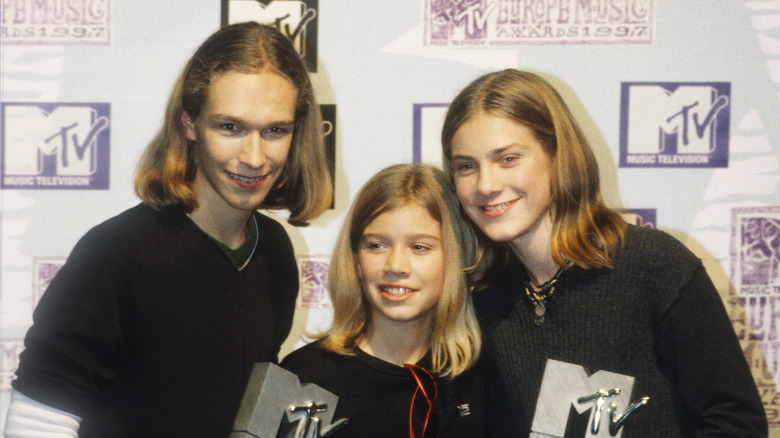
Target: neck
[(226, 228), (395, 344), (533, 250)]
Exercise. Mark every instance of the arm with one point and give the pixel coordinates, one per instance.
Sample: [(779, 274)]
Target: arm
[(699, 352), (72, 348), (28, 418)]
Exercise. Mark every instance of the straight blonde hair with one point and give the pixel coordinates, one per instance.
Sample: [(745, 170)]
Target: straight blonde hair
[(455, 341)]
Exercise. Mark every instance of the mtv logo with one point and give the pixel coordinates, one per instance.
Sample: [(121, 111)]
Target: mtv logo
[(297, 19), (668, 124), (568, 390), (276, 405), (55, 145), (313, 277)]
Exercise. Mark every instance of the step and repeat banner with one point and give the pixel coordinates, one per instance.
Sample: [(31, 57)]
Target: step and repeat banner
[(680, 100)]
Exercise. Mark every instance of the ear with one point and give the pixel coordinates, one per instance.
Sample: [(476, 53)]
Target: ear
[(189, 126)]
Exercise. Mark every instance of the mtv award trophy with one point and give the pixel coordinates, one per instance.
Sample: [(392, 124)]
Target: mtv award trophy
[(276, 405)]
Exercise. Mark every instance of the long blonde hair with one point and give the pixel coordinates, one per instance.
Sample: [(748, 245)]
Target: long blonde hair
[(455, 341), (167, 168)]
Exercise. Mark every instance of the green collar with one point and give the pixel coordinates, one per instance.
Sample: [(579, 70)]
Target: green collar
[(241, 255)]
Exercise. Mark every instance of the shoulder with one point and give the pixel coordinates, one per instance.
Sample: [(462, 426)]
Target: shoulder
[(652, 239), (141, 220), (270, 230), (273, 240), (313, 363), (656, 251), (312, 351), (313, 355)]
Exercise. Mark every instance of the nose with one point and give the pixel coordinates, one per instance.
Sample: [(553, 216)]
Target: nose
[(397, 263), (488, 182), (253, 151)]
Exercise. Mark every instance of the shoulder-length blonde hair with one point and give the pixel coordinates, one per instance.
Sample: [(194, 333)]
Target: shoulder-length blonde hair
[(455, 340), (168, 166), (585, 232)]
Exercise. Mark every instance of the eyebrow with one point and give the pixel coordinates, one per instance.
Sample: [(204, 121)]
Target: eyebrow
[(413, 236), (241, 120), (494, 152)]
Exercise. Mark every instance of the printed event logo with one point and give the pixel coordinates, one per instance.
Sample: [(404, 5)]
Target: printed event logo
[(56, 22), (55, 145), (755, 305), (313, 276), (674, 124), (755, 273), (298, 19), (44, 270), (523, 22)]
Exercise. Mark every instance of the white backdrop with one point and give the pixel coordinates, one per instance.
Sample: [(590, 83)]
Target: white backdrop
[(702, 77)]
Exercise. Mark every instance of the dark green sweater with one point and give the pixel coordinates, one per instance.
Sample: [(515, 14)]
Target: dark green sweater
[(654, 326)]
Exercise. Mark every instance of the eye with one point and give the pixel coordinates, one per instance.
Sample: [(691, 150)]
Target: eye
[(373, 245), (463, 167), (229, 128), (509, 159), (277, 132), (420, 248)]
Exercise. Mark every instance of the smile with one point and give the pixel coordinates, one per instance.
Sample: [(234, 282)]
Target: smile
[(247, 182), (395, 290), (396, 294), (496, 210)]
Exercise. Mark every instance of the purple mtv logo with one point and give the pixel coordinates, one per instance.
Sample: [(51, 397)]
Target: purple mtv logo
[(448, 18), (672, 124), (313, 281), (759, 250), (44, 270), (55, 145)]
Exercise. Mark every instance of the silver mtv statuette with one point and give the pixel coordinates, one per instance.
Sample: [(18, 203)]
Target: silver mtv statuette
[(615, 420), (309, 426), (276, 405), (561, 400)]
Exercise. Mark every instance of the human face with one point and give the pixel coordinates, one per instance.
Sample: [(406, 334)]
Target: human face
[(502, 178), (243, 136), (401, 266)]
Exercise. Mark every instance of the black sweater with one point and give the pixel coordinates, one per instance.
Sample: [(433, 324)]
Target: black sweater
[(654, 326), (376, 395), (149, 330)]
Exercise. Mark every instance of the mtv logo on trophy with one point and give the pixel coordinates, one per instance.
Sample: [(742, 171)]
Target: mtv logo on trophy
[(276, 405)]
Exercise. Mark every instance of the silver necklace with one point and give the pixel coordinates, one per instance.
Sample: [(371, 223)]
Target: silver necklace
[(540, 294)]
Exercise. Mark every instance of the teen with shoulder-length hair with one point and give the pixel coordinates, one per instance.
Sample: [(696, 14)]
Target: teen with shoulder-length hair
[(167, 168), (577, 307), (403, 322), (152, 326)]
